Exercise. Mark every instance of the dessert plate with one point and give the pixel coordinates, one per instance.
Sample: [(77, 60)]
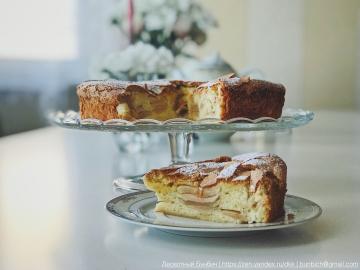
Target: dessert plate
[(138, 208)]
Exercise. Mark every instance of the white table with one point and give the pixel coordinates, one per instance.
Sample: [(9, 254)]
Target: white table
[(54, 184)]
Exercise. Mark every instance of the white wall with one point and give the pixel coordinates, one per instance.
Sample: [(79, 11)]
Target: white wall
[(275, 43)]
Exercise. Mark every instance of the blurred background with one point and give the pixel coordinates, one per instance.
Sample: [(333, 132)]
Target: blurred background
[(47, 47)]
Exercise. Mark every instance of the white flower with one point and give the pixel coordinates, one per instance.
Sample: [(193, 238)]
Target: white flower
[(139, 58), (183, 5), (153, 22), (156, 21), (165, 59), (117, 61), (163, 18), (162, 14)]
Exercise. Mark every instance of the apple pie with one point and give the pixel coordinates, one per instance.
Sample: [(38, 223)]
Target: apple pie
[(224, 98), (248, 188)]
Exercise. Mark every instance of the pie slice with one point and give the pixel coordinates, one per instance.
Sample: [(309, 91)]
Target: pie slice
[(247, 188)]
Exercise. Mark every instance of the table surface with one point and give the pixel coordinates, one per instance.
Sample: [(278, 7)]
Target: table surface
[(54, 184)]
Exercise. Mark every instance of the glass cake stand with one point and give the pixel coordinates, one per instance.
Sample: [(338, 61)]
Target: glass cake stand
[(179, 131)]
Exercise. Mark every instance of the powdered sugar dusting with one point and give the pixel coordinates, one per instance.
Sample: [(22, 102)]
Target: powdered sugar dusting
[(202, 168), (253, 166), (248, 156), (228, 171)]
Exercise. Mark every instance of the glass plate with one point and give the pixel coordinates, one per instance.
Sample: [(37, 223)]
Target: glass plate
[(138, 208), (290, 118)]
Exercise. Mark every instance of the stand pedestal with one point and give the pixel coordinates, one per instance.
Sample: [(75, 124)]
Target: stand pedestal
[(179, 147), (179, 130)]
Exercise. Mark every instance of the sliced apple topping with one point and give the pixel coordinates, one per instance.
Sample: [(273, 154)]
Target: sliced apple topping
[(123, 109), (196, 199)]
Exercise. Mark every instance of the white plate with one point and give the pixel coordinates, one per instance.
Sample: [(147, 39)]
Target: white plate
[(138, 208)]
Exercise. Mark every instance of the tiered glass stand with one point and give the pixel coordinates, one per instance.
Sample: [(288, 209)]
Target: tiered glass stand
[(180, 131)]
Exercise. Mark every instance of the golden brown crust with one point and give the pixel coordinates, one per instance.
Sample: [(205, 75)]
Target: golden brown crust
[(270, 164), (227, 169), (254, 99), (244, 97)]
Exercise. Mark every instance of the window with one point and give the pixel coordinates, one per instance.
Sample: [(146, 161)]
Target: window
[(38, 29)]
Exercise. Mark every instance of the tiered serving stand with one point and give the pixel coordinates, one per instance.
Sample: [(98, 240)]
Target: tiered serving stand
[(180, 135), (180, 130)]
